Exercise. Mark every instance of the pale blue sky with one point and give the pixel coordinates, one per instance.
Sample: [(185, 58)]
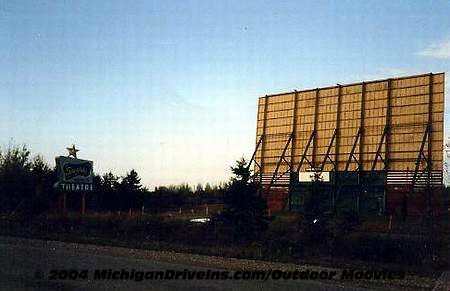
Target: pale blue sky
[(170, 88)]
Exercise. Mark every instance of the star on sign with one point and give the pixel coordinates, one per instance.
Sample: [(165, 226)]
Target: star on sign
[(72, 151)]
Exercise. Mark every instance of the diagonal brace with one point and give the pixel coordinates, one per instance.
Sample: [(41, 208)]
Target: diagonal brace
[(421, 155), (305, 153), (327, 155), (281, 159), (253, 159), (352, 152), (378, 154)]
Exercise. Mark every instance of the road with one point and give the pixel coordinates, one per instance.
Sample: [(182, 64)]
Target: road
[(19, 263)]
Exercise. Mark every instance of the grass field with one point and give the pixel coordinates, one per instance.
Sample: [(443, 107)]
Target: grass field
[(407, 245)]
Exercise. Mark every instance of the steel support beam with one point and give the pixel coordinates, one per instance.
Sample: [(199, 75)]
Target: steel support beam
[(282, 158), (253, 159), (430, 121), (294, 127), (421, 156), (305, 154), (316, 113), (388, 124), (338, 126), (430, 139), (362, 127), (361, 141), (388, 127), (263, 144), (352, 152), (378, 153), (327, 155), (294, 140), (337, 146)]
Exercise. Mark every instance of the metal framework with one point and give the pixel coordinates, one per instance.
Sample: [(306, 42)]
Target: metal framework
[(254, 153), (352, 155), (282, 158), (327, 155), (378, 153), (305, 153), (421, 157), (357, 153)]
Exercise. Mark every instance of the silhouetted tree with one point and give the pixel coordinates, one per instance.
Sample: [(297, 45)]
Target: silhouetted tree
[(25, 183), (130, 191), (40, 169), (208, 188), (15, 177), (43, 177), (199, 189), (245, 209), (108, 192)]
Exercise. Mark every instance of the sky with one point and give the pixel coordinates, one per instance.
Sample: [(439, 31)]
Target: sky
[(170, 88)]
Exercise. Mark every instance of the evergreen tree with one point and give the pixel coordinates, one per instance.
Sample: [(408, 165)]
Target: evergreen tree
[(199, 189), (40, 169), (25, 183), (43, 177), (130, 190), (208, 188), (108, 192), (131, 182), (245, 208), (16, 180)]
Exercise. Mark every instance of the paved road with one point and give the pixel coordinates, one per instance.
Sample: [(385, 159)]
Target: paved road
[(19, 262)]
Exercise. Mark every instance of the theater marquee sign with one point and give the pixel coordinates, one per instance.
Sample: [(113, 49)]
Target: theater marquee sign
[(74, 174)]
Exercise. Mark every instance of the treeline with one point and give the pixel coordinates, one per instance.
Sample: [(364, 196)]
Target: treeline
[(25, 181), (122, 193), (26, 186)]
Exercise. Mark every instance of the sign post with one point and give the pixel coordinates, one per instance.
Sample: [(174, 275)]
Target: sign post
[(83, 203), (64, 203)]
